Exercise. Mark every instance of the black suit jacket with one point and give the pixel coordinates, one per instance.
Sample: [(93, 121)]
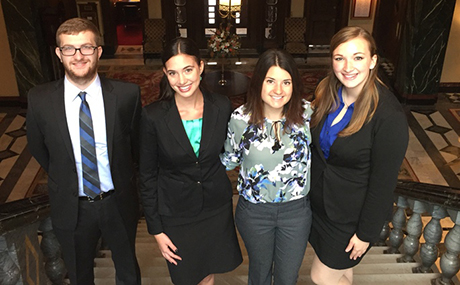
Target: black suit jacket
[(174, 181), (359, 176), (49, 142)]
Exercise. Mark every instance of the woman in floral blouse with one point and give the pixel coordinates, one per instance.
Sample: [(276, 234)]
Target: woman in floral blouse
[(269, 139)]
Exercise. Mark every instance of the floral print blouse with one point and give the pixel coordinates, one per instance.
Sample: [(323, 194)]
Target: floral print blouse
[(270, 172)]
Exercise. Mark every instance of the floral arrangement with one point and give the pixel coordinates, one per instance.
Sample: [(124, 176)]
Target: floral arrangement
[(223, 42)]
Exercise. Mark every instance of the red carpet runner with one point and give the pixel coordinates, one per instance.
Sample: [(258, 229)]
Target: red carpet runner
[(131, 35)]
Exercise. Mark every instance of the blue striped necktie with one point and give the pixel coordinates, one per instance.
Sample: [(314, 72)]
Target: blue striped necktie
[(91, 183)]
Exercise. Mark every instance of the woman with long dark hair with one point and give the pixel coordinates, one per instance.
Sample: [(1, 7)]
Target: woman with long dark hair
[(269, 139), (185, 190)]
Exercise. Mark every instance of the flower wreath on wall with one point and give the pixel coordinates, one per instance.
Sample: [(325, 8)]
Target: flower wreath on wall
[(224, 43)]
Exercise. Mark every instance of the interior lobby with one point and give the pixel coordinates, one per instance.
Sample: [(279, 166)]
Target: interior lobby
[(418, 46)]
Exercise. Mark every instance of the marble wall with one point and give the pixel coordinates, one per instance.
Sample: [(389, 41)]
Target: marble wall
[(424, 41), (21, 258), (29, 51)]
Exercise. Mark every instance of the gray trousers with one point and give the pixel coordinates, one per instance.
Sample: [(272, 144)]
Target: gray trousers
[(276, 237)]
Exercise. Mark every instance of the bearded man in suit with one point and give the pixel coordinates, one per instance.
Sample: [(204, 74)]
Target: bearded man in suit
[(83, 130)]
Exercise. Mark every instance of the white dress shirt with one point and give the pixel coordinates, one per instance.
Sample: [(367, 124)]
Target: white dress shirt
[(72, 110)]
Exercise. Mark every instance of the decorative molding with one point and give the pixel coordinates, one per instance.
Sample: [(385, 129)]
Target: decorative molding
[(449, 87)]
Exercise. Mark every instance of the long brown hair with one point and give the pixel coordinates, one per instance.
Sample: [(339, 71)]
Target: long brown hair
[(292, 110), (326, 94)]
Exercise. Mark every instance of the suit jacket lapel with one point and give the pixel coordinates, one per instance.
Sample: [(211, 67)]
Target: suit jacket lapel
[(61, 119), (210, 115), (174, 123), (110, 103)]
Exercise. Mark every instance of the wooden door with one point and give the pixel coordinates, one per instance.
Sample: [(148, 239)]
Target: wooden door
[(387, 34), (324, 19)]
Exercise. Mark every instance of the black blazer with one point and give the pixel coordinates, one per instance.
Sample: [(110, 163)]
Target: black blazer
[(49, 142), (360, 175), (174, 181)]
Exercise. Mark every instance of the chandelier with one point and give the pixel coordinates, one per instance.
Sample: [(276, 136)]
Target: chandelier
[(229, 8)]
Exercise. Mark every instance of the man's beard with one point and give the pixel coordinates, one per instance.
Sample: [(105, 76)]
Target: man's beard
[(88, 76)]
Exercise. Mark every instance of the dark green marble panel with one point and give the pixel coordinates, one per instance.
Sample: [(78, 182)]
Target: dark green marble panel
[(30, 54), (424, 40)]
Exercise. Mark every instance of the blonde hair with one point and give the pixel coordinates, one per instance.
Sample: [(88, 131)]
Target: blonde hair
[(326, 94)]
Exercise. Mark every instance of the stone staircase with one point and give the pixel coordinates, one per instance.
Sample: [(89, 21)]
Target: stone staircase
[(376, 268)]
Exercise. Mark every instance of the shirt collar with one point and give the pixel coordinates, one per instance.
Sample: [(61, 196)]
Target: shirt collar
[(71, 91)]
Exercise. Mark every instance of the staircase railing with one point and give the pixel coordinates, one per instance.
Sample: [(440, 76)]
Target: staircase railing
[(25, 228), (28, 247), (415, 199)]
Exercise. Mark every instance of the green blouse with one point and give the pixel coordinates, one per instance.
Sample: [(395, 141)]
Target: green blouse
[(193, 130)]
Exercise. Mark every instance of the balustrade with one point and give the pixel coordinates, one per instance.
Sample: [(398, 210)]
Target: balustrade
[(24, 223), (438, 201), (10, 272), (28, 247)]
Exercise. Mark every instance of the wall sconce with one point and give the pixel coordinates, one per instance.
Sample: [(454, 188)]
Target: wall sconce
[(229, 8)]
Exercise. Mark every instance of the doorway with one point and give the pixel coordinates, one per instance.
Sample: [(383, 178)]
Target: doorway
[(324, 19), (129, 22)]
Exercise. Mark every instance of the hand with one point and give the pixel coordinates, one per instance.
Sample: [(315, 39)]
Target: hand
[(167, 248), (357, 247)]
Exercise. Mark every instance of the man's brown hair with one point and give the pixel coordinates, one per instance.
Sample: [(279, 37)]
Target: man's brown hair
[(75, 26)]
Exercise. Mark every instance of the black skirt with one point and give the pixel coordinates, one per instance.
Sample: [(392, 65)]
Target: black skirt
[(207, 244), (328, 238)]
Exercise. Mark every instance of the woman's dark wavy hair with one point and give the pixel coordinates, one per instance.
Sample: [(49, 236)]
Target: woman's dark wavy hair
[(293, 110), (173, 48)]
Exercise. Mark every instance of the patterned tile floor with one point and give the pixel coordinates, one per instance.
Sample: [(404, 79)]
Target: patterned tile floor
[(433, 155), (17, 169), (434, 147)]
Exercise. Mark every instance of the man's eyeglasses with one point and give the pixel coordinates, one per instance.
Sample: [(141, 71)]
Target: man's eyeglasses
[(84, 50)]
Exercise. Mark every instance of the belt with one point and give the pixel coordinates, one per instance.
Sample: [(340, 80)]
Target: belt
[(97, 198)]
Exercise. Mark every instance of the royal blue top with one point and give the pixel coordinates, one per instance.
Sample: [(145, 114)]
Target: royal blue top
[(329, 133)]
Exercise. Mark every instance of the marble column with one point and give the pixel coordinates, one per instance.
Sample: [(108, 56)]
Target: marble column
[(29, 51), (22, 260), (423, 45)]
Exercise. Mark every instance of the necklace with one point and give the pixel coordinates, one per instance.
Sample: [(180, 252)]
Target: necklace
[(344, 109), (276, 126), (340, 115)]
